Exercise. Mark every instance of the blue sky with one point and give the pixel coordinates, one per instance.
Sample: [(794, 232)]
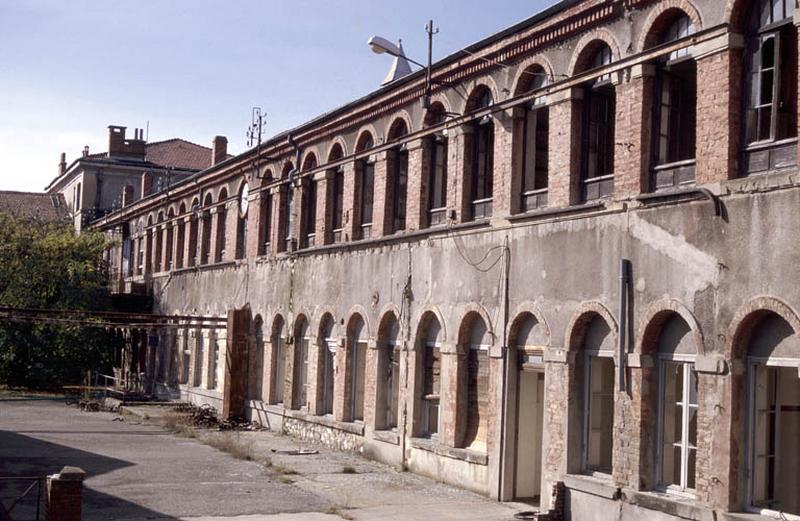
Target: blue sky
[(194, 69)]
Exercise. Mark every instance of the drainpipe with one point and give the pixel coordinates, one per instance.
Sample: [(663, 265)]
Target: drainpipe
[(506, 368), (624, 282)]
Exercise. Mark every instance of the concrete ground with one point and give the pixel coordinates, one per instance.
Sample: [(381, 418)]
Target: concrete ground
[(136, 470)]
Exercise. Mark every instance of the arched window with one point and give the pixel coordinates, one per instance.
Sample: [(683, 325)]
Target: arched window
[(255, 368), (388, 381), (480, 147), (300, 365), (599, 111), (181, 239), (205, 223), (677, 406), (674, 114), (327, 347), (477, 373), (770, 87), (357, 347), (337, 190), (397, 168), (148, 261), (241, 223), (221, 240), (430, 367), (169, 246), (436, 148), (159, 243), (533, 131), (774, 417), (365, 173), (278, 359), (308, 213), (597, 365), (287, 209), (265, 217), (194, 226)]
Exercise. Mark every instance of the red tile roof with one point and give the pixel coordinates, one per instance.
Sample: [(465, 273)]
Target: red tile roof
[(34, 206), (179, 153)]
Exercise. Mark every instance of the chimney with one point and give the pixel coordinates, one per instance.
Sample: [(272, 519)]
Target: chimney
[(219, 150), (147, 184), (116, 140), (62, 165), (86, 151), (127, 195)]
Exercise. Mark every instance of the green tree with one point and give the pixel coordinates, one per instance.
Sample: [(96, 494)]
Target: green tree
[(49, 266)]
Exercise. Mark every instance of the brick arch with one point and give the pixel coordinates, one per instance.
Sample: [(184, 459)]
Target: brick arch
[(182, 208), (476, 85), (361, 137), (660, 17), (430, 311), (338, 140), (521, 79), (472, 310), (653, 320), (362, 312), (301, 316), (389, 311), (278, 321), (310, 155), (527, 308), (748, 316), (436, 98), (736, 14), (222, 193), (586, 46), (172, 211), (208, 200), (323, 315), (403, 116), (286, 167), (582, 318)]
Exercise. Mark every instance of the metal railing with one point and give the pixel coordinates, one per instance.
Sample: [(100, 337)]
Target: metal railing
[(21, 498)]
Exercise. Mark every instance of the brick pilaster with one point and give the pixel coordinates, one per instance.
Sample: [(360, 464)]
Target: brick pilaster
[(564, 145), (502, 191), (254, 224), (460, 153), (719, 101), (383, 194), (633, 124), (324, 217), (352, 197)]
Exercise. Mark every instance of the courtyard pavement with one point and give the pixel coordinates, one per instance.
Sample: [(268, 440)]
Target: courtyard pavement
[(137, 471)]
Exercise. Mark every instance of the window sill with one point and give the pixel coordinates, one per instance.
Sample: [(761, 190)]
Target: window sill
[(450, 452), (387, 437), (680, 506), (327, 421), (593, 485), (555, 212)]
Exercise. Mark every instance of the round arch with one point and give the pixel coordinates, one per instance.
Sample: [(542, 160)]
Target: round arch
[(747, 318), (656, 316), (478, 88), (333, 153), (586, 46), (430, 312), (581, 320), (466, 319), (397, 118), (522, 79), (358, 310), (366, 133), (523, 311), (659, 18)]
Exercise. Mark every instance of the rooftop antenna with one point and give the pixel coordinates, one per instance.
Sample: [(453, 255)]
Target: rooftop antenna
[(254, 133)]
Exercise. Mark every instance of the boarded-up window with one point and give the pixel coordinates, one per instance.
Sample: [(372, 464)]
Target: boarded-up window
[(477, 398)]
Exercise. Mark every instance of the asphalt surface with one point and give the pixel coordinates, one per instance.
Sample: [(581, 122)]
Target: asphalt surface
[(138, 471)]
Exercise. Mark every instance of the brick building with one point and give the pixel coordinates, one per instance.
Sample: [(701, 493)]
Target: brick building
[(95, 184), (573, 266)]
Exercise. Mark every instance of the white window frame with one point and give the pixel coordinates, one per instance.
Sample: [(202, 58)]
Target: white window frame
[(752, 362), (688, 366), (587, 389), (424, 402), (330, 344)]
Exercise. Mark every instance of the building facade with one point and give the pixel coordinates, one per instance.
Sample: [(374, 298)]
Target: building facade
[(571, 269)]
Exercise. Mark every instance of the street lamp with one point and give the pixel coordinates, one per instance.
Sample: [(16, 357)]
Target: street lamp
[(381, 45)]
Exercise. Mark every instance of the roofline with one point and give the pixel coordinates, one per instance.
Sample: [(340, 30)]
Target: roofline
[(177, 139), (461, 53), (107, 161)]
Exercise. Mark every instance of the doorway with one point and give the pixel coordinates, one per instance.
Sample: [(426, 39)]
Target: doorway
[(530, 412)]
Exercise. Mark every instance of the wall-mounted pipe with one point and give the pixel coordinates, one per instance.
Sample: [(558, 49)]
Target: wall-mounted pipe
[(624, 281)]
